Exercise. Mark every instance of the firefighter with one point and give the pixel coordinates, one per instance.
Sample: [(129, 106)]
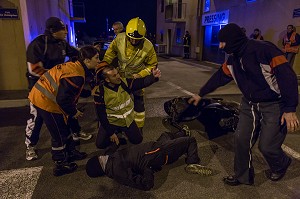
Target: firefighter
[(54, 96), (114, 105), (136, 59)]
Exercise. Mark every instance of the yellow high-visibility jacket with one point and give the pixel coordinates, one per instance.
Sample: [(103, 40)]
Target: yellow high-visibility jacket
[(139, 59)]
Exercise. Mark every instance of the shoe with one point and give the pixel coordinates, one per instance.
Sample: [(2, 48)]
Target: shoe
[(76, 155), (275, 176), (231, 181), (30, 153), (84, 136), (63, 168), (198, 169)]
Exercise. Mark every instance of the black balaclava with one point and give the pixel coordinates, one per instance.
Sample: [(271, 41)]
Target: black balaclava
[(93, 168), (234, 37)]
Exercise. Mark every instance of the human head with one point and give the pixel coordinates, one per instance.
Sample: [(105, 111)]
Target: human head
[(118, 27), (93, 168), (256, 31), (56, 28), (290, 28), (89, 56), (107, 73), (233, 37), (136, 31)]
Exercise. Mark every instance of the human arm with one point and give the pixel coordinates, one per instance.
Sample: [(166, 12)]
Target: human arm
[(139, 83), (287, 84), (297, 42), (218, 79), (150, 63), (71, 52), (68, 92), (101, 110), (35, 58), (112, 52)]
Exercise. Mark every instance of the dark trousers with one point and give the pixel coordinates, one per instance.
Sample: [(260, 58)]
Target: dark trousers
[(74, 125), (291, 58), (172, 147), (259, 120), (61, 142), (186, 51), (132, 132), (33, 127)]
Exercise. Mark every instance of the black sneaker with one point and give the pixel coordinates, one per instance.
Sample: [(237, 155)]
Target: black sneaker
[(76, 155), (63, 168)]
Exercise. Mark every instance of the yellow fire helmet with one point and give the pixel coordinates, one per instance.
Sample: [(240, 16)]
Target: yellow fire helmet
[(136, 28)]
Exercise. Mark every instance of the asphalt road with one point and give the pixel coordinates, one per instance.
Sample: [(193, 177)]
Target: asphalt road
[(33, 179)]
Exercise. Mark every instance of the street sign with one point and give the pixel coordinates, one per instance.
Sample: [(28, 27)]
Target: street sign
[(9, 13), (296, 13)]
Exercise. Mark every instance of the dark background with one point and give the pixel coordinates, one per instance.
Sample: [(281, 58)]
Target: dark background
[(96, 12)]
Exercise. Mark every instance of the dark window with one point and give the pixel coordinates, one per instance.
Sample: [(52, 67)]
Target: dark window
[(162, 5), (178, 36)]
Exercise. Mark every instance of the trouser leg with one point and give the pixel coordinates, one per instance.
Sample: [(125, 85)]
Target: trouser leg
[(74, 125), (33, 128), (245, 137), (172, 150), (103, 138), (60, 134), (133, 133), (139, 108), (272, 136), (291, 58)]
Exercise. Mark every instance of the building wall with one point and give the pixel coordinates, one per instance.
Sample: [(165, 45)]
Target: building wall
[(270, 16), (16, 34)]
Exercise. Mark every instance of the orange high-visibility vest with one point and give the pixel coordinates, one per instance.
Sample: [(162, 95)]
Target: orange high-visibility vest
[(287, 47), (44, 92)]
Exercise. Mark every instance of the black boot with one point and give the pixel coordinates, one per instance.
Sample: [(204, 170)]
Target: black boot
[(64, 167), (76, 155)]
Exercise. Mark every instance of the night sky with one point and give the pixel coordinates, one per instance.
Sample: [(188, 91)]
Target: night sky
[(96, 12)]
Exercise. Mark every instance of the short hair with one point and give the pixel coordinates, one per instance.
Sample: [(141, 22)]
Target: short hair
[(118, 23), (101, 71), (87, 52)]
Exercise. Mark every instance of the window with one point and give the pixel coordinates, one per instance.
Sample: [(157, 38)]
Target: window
[(178, 36), (162, 5)]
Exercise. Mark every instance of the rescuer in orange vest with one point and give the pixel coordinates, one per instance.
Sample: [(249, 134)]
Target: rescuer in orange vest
[(291, 42), (55, 96)]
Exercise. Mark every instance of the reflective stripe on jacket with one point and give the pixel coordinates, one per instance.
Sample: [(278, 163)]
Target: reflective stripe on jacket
[(119, 106), (44, 92), (287, 47), (139, 59)]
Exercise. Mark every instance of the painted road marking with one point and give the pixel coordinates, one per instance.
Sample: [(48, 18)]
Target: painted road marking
[(181, 89), (19, 183)]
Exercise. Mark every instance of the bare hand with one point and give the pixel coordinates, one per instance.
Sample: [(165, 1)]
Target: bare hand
[(291, 120), (78, 114), (114, 138), (136, 76), (195, 99), (156, 72)]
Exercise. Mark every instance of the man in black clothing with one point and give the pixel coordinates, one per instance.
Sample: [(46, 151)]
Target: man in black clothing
[(186, 45), (114, 105), (135, 166), (268, 107)]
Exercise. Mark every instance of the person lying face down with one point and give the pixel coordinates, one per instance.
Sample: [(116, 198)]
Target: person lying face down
[(135, 165)]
